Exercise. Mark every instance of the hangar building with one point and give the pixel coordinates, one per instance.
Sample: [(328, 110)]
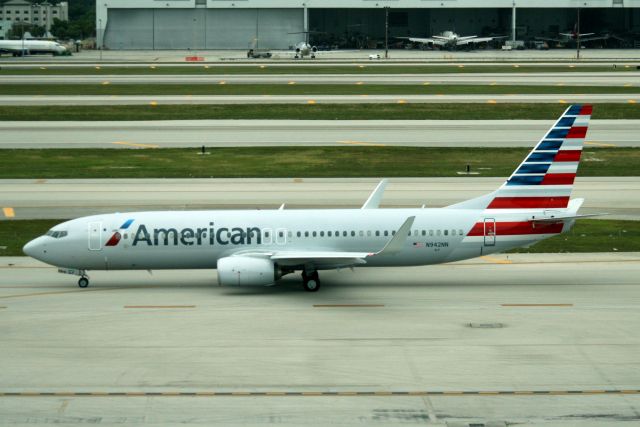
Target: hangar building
[(279, 24)]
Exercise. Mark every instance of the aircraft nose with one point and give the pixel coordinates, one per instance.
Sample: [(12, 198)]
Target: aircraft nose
[(34, 248)]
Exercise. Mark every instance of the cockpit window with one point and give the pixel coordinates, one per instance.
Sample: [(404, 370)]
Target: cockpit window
[(56, 234)]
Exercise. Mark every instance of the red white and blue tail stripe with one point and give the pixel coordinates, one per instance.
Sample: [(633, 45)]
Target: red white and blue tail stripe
[(545, 178)]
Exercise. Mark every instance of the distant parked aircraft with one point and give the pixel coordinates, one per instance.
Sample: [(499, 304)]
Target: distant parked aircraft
[(31, 47), (450, 39), (572, 36)]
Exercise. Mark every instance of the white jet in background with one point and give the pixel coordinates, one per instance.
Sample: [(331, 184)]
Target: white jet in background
[(451, 40), (31, 47), (258, 247)]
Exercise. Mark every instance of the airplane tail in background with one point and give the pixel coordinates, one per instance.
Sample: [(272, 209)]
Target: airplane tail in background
[(544, 180)]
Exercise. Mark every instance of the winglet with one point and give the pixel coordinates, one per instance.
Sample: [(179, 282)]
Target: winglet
[(394, 245), (373, 202)]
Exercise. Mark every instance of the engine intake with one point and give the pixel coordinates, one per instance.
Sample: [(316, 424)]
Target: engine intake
[(247, 271)]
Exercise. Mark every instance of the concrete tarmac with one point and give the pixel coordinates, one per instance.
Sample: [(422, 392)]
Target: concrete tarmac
[(232, 57), (542, 78), (249, 133), (32, 199), (40, 100), (555, 335)]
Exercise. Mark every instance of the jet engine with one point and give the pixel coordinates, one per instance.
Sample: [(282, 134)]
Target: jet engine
[(247, 271), (314, 49)]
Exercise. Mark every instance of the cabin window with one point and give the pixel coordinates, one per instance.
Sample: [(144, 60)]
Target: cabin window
[(393, 233), (280, 234), (353, 233), (314, 234), (361, 233), (329, 233), (337, 234), (306, 234), (386, 233), (446, 232), (424, 232), (368, 233), (377, 233), (453, 232), (299, 234), (289, 234), (437, 232), (460, 232), (430, 232)]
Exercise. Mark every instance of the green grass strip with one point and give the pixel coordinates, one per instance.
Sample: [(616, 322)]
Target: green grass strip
[(269, 69), (311, 112), (592, 235), (303, 89), (586, 236), (284, 162)]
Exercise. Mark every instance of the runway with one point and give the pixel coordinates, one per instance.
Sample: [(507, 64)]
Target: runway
[(250, 133), (33, 199), (154, 100), (556, 335), (541, 78)]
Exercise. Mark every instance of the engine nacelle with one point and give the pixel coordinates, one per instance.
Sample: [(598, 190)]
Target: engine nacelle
[(297, 50), (247, 271), (314, 49)]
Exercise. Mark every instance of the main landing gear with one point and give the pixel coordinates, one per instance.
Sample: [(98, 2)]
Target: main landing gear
[(83, 282), (310, 282)]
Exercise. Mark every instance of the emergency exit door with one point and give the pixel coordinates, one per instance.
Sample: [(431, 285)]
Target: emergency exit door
[(489, 231), (95, 236)]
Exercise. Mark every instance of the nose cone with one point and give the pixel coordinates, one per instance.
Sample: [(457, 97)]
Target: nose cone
[(34, 248)]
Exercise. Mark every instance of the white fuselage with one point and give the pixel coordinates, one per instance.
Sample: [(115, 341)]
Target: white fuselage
[(28, 47), (197, 239)]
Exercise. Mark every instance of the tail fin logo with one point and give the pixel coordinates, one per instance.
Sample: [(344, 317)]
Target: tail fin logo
[(545, 178), (117, 236)]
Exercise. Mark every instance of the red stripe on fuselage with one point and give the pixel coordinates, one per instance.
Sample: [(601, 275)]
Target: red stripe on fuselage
[(558, 179), (568, 156), (529, 202), (577, 132), (517, 228)]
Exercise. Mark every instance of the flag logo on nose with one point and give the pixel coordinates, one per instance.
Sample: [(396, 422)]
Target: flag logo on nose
[(116, 237)]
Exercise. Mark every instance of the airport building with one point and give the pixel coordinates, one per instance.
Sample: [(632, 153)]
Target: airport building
[(41, 14), (280, 24)]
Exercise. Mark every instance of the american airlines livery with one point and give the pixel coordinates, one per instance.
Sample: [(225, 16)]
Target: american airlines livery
[(258, 247)]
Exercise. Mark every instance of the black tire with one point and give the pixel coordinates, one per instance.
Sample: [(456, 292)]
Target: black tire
[(83, 282), (311, 283)]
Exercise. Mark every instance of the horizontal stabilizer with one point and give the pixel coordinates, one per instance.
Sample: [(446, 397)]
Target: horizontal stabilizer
[(561, 218)]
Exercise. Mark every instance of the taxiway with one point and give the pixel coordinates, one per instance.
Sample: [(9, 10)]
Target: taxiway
[(32, 199), (154, 100), (248, 133), (536, 339), (630, 78)]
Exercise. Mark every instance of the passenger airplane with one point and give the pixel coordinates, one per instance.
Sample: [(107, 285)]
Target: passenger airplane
[(31, 47), (450, 39), (304, 48), (258, 247)]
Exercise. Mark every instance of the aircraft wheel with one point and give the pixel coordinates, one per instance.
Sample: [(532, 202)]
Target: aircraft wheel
[(313, 57), (311, 283), (83, 282)]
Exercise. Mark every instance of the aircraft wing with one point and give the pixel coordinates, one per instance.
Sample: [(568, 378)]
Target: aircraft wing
[(335, 259), (462, 42), (438, 41), (587, 39)]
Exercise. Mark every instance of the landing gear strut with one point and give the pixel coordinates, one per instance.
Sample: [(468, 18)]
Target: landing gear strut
[(310, 282)]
